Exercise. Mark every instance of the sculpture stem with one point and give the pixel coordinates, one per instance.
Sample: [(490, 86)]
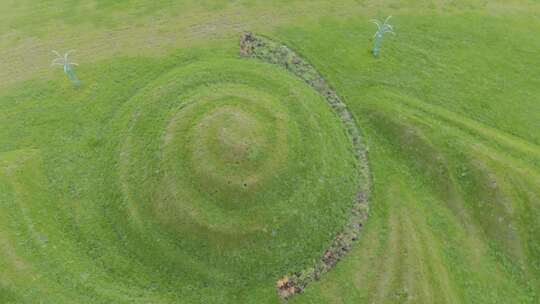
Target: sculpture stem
[(377, 45), (72, 77)]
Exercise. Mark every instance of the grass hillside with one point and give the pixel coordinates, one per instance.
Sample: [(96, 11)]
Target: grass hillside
[(179, 172)]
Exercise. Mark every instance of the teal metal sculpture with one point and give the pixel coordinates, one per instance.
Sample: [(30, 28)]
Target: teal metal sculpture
[(382, 28), (68, 66)]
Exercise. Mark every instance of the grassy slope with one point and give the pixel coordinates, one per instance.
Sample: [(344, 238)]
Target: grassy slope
[(455, 164), (451, 111)]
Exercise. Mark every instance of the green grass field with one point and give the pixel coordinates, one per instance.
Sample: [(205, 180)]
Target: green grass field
[(180, 172)]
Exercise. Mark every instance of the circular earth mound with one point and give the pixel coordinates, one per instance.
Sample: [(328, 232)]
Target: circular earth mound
[(233, 172)]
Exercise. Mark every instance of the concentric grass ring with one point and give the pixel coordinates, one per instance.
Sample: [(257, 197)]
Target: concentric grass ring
[(232, 165), (205, 184)]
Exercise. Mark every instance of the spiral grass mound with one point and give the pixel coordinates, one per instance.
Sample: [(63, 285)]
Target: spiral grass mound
[(216, 178), (232, 165)]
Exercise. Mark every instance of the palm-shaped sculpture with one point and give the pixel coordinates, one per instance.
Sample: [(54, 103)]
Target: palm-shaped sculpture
[(382, 28), (68, 66)]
